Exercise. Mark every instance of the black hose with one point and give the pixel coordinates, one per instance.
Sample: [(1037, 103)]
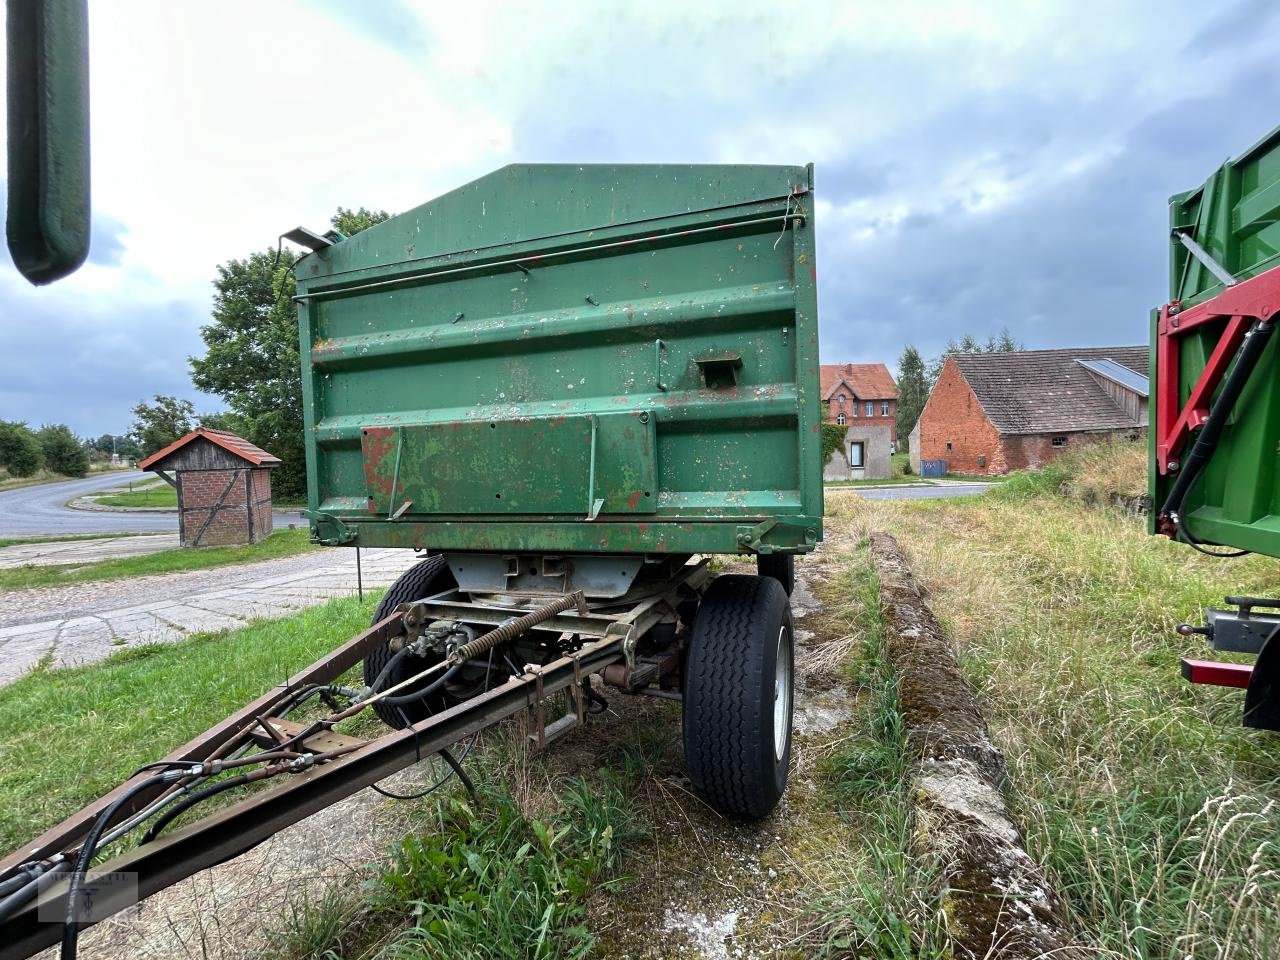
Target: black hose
[(192, 799), (19, 889), (26, 873), (70, 922), (1211, 432), (386, 670), (426, 691)]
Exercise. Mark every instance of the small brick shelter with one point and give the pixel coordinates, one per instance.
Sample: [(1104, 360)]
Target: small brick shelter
[(224, 487)]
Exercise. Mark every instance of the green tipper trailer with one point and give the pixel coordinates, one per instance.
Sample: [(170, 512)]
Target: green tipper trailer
[(564, 380), (572, 360), (1215, 435)]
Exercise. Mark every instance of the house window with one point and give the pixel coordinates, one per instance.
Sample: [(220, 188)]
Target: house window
[(871, 408), (1059, 441), (884, 408), (841, 419), (855, 455), (840, 399), (948, 446), (854, 407)]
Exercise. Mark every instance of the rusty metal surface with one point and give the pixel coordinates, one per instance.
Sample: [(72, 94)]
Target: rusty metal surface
[(577, 359)]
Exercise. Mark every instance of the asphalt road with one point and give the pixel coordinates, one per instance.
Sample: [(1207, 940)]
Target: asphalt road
[(922, 493), (41, 510)]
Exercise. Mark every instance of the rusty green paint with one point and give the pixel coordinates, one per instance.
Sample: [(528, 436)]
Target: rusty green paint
[(484, 338)]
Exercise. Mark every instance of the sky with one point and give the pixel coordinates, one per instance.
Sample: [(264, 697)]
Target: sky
[(979, 166)]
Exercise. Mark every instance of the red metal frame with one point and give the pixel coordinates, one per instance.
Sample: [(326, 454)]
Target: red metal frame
[(1217, 674), (1239, 306)]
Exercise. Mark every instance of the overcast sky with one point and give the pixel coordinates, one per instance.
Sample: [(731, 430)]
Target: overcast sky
[(979, 165)]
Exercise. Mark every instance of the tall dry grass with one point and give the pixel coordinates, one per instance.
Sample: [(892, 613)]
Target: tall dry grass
[(1152, 808)]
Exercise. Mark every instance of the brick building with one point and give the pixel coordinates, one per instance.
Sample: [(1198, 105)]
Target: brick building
[(859, 392), (863, 398), (224, 487), (997, 412)]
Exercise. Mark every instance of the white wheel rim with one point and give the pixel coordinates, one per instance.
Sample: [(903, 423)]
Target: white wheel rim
[(781, 694)]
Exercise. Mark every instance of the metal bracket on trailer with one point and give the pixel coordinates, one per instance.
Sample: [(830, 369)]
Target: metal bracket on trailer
[(1239, 306)]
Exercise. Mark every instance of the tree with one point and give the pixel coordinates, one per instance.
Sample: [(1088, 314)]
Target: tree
[(63, 452), (122, 444), (351, 222), (251, 353), (20, 451), (1001, 343), (158, 424), (913, 389)]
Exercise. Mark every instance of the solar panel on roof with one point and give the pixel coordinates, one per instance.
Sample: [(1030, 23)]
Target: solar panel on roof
[(1118, 372)]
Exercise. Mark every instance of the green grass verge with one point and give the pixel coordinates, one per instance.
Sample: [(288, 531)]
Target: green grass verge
[(72, 734), (282, 543), (151, 495)]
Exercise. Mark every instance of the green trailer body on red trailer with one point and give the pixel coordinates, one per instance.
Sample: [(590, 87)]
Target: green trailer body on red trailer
[(1215, 373)]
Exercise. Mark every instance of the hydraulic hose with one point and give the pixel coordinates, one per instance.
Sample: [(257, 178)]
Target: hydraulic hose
[(71, 922), (431, 688), (191, 800), (1202, 450)]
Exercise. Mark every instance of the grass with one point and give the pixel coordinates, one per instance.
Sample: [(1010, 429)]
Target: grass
[(885, 913), (492, 881), (282, 543), (150, 495), (71, 734), (1154, 812), (43, 476)]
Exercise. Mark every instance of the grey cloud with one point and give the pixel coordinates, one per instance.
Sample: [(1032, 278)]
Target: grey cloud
[(87, 365), (1076, 261)]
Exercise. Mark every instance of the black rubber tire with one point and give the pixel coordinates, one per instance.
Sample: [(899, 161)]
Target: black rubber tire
[(729, 679), (423, 579), (780, 566)]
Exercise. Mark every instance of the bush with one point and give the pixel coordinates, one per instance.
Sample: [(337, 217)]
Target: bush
[(1095, 473), (832, 437), (20, 452), (63, 453)]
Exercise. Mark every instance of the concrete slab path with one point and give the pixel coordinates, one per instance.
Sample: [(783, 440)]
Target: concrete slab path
[(83, 623), (74, 552)]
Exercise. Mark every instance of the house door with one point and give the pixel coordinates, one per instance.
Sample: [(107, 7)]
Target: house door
[(857, 456)]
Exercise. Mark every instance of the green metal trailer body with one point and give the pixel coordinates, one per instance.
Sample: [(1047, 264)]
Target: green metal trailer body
[(1234, 216), (1216, 295), (563, 359)]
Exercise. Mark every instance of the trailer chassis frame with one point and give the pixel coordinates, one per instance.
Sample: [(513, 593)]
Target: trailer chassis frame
[(611, 635)]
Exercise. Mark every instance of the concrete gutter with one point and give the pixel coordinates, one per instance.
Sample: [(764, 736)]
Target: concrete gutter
[(998, 902)]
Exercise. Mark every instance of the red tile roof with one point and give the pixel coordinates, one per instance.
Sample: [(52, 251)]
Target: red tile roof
[(868, 381), (239, 446)]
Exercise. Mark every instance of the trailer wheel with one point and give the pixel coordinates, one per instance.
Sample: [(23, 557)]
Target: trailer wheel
[(421, 580), (780, 566), (738, 694)]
